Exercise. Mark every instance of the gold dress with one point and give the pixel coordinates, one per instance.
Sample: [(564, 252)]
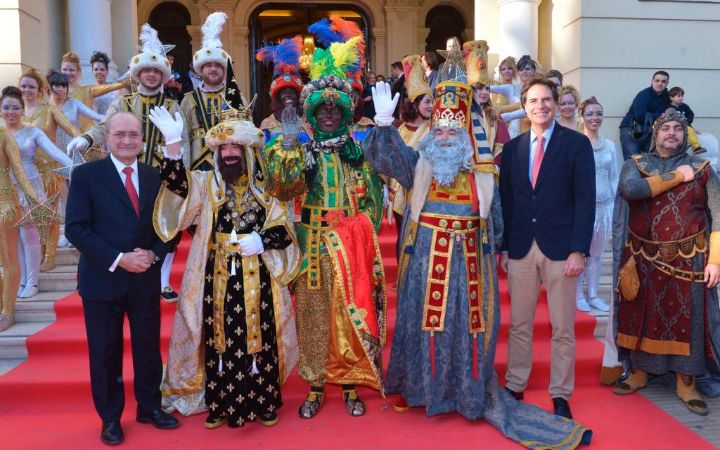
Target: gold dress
[(48, 118), (87, 94), (10, 213)]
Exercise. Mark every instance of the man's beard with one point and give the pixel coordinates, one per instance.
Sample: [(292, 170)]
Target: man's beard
[(232, 172), (448, 160)]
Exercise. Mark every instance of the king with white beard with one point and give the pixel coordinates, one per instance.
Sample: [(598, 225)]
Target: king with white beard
[(448, 311)]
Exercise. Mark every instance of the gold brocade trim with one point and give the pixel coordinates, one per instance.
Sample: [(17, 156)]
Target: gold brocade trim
[(434, 306), (380, 270), (169, 210), (491, 299), (686, 247), (251, 291), (408, 241), (654, 346), (571, 441), (292, 274), (316, 226), (276, 296), (458, 193), (437, 285), (224, 249)]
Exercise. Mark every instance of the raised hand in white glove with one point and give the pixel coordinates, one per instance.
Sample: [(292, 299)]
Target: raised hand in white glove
[(78, 143), (384, 103), (251, 245), (171, 128)]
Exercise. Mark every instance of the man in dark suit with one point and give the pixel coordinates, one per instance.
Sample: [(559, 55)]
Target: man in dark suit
[(547, 188), (398, 86), (109, 220)]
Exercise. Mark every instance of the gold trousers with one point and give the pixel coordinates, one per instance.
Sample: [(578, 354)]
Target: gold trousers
[(313, 323), (11, 266)]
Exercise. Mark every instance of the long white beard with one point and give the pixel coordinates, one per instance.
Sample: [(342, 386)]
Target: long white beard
[(448, 158)]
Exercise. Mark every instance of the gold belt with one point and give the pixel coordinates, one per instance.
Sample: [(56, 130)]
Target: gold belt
[(666, 251), (225, 248)]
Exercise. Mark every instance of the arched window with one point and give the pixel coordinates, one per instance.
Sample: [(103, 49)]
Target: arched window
[(444, 22), (274, 21), (171, 19)]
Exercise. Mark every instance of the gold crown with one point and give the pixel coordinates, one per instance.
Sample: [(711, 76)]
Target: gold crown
[(449, 118), (229, 113)]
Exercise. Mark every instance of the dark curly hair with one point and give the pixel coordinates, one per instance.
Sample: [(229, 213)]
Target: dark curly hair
[(100, 57), (12, 92)]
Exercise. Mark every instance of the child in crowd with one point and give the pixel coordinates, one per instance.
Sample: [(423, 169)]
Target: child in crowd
[(676, 101)]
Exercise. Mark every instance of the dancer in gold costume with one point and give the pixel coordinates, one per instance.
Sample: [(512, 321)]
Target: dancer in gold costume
[(10, 212), (30, 140), (48, 118), (70, 67)]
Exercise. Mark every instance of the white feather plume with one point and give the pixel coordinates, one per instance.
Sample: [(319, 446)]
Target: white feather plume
[(149, 40), (212, 28)]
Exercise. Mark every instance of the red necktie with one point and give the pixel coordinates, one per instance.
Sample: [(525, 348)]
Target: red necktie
[(537, 162), (130, 188)]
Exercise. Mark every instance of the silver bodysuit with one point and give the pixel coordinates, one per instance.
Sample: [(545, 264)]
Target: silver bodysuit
[(606, 185), (73, 109), (29, 140)]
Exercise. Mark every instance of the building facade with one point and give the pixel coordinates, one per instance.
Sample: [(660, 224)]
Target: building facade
[(606, 48)]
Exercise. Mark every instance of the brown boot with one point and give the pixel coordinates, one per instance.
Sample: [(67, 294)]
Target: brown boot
[(609, 375), (689, 395), (637, 380), (47, 265)]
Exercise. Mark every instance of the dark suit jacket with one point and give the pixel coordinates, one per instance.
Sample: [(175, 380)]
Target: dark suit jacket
[(100, 222), (559, 213)]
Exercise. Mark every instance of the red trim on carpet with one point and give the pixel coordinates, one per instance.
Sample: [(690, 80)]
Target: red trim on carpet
[(45, 402)]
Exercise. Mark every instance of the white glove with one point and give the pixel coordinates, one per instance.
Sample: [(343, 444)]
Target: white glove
[(251, 245), (78, 143), (170, 128), (384, 103)]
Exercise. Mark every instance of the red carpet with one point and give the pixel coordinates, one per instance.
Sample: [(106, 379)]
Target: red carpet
[(45, 402)]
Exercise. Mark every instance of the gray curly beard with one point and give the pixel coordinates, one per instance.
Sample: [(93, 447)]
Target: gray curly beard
[(447, 157)]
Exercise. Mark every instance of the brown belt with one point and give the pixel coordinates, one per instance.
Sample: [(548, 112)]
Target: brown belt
[(686, 247)]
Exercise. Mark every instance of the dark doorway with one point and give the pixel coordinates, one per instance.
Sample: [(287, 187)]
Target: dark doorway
[(275, 21), (444, 22), (171, 19)]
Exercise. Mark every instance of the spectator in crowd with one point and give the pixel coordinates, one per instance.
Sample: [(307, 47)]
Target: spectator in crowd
[(677, 95), (431, 63), (398, 85), (648, 104)]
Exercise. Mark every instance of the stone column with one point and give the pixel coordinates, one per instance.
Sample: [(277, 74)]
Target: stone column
[(380, 64), (124, 33), (90, 29), (401, 25), (518, 27), (241, 59)]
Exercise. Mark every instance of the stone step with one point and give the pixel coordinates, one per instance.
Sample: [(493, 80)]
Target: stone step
[(12, 340), (38, 308), (6, 365)]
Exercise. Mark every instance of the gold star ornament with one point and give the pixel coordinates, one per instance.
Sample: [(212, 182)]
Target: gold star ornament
[(41, 215)]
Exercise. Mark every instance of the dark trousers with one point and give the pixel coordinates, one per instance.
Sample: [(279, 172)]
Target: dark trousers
[(631, 146), (104, 326)]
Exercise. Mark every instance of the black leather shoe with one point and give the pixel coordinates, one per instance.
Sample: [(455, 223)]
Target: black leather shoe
[(112, 433), (562, 407), (519, 396), (158, 418), (169, 295)]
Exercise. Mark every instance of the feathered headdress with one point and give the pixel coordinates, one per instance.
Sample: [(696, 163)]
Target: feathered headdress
[(329, 83), (152, 54), (285, 57), (212, 47), (338, 30)]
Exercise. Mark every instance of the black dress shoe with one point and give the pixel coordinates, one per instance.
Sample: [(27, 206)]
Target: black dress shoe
[(562, 407), (158, 418), (169, 295), (519, 396), (112, 433)]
